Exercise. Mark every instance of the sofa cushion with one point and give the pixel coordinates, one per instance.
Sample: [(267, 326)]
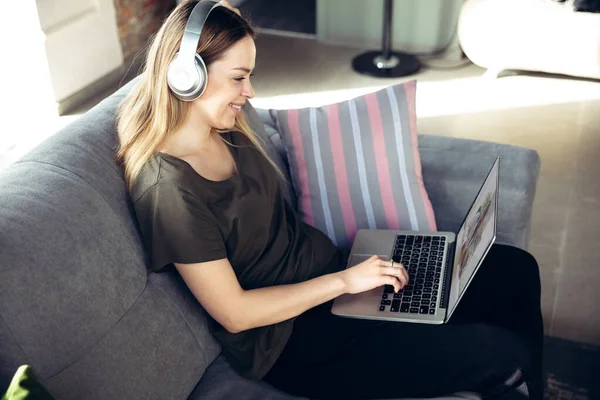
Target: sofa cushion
[(220, 381), (69, 268), (356, 165), (76, 302), (151, 352)]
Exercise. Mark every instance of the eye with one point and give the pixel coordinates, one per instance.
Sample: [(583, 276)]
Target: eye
[(241, 78)]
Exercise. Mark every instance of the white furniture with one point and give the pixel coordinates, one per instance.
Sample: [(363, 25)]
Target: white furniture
[(530, 35)]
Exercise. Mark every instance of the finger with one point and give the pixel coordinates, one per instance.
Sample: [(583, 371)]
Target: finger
[(387, 263), (398, 273), (403, 279), (391, 264), (391, 280), (405, 272), (401, 275), (401, 268)]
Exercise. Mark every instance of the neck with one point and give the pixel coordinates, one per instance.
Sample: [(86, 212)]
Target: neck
[(193, 136)]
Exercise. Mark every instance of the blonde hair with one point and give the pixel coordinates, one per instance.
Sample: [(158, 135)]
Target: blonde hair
[(150, 112)]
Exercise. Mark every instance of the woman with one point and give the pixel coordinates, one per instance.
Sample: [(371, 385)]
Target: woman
[(208, 202)]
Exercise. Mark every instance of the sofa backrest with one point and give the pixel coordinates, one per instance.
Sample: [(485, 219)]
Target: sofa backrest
[(76, 302)]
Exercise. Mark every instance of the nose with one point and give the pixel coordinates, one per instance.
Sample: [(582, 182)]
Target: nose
[(247, 89)]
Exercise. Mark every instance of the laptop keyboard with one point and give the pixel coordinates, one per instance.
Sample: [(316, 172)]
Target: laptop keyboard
[(422, 257)]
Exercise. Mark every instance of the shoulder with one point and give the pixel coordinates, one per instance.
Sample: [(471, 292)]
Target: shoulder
[(163, 173)]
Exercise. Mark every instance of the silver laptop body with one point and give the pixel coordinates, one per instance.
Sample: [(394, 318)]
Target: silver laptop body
[(441, 265)]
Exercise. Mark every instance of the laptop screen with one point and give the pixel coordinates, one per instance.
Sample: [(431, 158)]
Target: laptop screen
[(475, 237)]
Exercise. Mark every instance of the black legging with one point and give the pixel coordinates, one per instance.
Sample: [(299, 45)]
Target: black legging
[(496, 329)]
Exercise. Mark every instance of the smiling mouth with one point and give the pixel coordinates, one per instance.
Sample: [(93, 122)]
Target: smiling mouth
[(235, 106)]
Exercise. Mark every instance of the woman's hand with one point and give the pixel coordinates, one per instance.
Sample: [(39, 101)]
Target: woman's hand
[(372, 273)]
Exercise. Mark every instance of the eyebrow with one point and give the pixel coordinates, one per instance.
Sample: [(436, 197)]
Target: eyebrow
[(246, 70)]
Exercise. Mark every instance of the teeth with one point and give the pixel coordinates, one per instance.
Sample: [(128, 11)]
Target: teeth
[(235, 106)]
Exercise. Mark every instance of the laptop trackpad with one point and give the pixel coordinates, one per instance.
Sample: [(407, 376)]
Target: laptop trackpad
[(357, 259)]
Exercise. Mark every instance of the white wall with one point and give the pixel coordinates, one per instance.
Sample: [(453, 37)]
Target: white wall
[(82, 42), (50, 49), (418, 25), (26, 97)]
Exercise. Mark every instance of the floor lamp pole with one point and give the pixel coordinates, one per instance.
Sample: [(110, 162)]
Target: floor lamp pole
[(386, 63), (386, 34)]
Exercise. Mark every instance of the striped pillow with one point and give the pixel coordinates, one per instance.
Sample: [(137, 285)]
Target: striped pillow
[(356, 165)]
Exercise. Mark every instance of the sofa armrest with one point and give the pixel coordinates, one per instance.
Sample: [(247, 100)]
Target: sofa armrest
[(454, 170)]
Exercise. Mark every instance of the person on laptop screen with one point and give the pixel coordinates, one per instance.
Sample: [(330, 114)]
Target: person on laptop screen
[(209, 206)]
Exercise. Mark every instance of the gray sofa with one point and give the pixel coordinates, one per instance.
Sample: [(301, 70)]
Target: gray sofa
[(77, 304)]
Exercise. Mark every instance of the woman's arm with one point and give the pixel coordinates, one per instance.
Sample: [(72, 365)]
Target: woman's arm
[(216, 287)]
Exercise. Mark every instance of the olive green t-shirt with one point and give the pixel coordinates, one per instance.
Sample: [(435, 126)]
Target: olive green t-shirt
[(186, 218)]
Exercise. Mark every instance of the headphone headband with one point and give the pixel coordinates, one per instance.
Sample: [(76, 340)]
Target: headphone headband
[(193, 29), (187, 75)]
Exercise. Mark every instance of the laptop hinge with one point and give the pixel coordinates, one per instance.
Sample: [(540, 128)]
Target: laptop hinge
[(447, 274)]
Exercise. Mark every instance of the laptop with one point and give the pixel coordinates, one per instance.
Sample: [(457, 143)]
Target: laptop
[(440, 265)]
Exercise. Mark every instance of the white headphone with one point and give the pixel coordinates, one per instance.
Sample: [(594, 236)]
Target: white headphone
[(187, 75)]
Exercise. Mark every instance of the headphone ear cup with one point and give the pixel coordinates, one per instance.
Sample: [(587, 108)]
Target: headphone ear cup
[(187, 81), (202, 74)]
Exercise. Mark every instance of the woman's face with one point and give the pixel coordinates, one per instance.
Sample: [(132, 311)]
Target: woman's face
[(228, 86)]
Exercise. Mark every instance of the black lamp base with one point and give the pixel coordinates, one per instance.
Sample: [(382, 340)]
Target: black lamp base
[(398, 64)]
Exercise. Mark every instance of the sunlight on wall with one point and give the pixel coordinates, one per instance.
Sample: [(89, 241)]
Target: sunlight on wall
[(470, 95), (459, 96), (29, 112)]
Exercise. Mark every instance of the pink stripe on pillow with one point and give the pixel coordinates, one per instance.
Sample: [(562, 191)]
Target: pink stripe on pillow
[(410, 88), (370, 143), (341, 174), (381, 161), (296, 136)]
